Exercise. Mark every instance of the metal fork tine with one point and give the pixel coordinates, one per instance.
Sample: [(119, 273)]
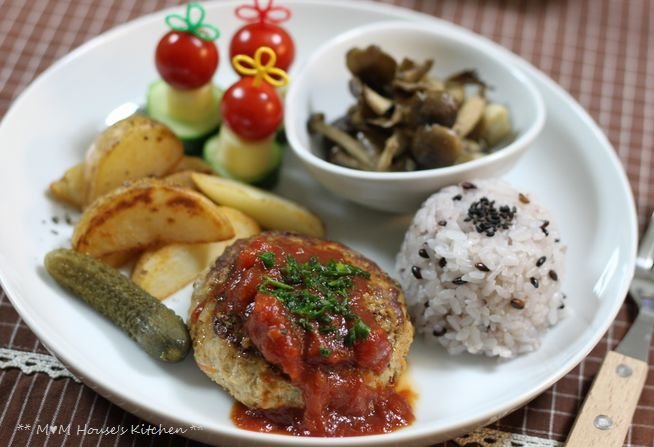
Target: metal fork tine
[(645, 258)]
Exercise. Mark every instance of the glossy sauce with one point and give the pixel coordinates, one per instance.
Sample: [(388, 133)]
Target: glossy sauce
[(337, 400)]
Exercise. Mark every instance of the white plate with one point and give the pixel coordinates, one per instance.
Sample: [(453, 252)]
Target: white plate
[(571, 168)]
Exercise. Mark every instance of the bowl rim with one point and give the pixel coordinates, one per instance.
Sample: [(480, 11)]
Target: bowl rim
[(522, 141)]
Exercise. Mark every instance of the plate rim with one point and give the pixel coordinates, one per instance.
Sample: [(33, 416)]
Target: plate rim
[(417, 436)]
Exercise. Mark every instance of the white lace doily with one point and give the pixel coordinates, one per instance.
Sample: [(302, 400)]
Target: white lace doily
[(32, 362)]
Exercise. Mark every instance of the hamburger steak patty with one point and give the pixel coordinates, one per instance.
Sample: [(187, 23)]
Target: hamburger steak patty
[(227, 336)]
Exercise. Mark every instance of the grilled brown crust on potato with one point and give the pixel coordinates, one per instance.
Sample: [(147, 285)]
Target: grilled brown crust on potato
[(224, 352)]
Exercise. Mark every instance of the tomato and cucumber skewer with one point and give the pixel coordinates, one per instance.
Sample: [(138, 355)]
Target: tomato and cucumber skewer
[(185, 99), (252, 111)]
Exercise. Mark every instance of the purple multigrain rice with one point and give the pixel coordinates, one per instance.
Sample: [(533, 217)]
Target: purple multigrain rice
[(478, 314), (544, 227), (517, 303), (482, 267), (523, 198)]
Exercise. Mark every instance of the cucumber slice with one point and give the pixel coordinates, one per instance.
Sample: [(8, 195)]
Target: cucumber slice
[(193, 116), (255, 162)]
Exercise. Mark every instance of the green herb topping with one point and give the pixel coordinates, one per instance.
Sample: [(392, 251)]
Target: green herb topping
[(324, 351), (315, 292), (268, 258)]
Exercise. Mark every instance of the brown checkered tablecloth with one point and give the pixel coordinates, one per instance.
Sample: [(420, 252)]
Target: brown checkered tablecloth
[(601, 51)]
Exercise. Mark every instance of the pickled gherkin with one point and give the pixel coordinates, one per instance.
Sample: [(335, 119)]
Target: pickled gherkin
[(155, 327)]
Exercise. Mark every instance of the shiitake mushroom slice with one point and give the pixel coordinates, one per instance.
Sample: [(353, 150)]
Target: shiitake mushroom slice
[(432, 107), (351, 145), (435, 146), (469, 115), (372, 66)]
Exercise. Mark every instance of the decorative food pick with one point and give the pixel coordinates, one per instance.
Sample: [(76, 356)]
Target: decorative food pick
[(186, 58), (252, 112), (263, 30)]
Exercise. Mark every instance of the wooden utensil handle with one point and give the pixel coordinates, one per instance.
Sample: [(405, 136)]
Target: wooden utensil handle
[(609, 407)]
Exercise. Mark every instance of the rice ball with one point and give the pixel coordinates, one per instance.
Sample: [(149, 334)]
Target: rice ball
[(481, 266)]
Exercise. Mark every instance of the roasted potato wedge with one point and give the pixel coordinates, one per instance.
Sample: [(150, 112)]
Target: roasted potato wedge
[(271, 211), (145, 214), (120, 258), (165, 270), (182, 179), (131, 149), (71, 187), (190, 163)]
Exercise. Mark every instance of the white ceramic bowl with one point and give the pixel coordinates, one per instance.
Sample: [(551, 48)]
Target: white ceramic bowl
[(321, 85)]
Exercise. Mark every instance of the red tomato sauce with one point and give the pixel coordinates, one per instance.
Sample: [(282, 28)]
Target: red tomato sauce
[(338, 402)]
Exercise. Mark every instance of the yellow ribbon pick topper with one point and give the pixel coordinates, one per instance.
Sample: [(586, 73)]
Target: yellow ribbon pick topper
[(248, 66)]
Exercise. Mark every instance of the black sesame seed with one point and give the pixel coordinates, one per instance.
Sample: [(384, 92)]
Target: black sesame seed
[(442, 223), (543, 227), (561, 306), (517, 303), (442, 263), (55, 219), (458, 281), (553, 275), (523, 198), (468, 185), (482, 267), (534, 282), (557, 240), (488, 219), (439, 332), (457, 197), (423, 253), (426, 303), (541, 261), (416, 272), (55, 232)]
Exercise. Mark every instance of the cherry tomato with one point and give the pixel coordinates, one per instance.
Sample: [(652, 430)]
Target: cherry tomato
[(185, 61), (253, 112), (261, 34)]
